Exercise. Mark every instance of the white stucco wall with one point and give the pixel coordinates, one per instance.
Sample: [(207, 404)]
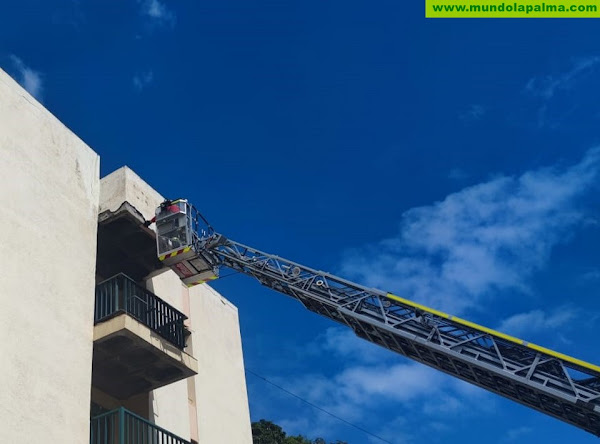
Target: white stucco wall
[(169, 408), (125, 185), (221, 395), (213, 408), (169, 405), (49, 199)]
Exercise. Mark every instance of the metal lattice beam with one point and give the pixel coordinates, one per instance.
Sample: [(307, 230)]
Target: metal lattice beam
[(552, 383)]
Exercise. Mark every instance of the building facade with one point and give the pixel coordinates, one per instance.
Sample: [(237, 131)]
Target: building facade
[(99, 342)]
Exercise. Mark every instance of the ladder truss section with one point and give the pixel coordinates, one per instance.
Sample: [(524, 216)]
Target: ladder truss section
[(539, 378)]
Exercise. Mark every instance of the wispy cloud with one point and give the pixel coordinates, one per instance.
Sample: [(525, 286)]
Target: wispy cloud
[(451, 255), (457, 174), (473, 113), (398, 430), (546, 86), (358, 389), (367, 381), (559, 94), (355, 388), (517, 434), (343, 343), (157, 12), (29, 79), (69, 13), (142, 80), (591, 275), (482, 239), (536, 321)]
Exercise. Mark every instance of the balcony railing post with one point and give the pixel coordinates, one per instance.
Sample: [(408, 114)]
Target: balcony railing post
[(124, 287), (116, 293), (121, 425)]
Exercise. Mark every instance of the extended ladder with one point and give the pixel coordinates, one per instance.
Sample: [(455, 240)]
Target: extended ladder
[(551, 382)]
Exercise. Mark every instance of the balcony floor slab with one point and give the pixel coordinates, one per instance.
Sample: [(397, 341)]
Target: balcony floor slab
[(129, 358)]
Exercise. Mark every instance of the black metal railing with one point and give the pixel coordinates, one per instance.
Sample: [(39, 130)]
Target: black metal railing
[(120, 294), (121, 426)]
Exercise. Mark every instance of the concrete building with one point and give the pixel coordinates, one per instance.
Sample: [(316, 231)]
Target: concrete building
[(99, 342)]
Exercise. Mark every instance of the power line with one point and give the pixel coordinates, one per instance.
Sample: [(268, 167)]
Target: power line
[(317, 407)]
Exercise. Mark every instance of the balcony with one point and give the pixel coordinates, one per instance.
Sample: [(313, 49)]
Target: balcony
[(139, 340), (125, 244), (121, 426), (120, 294)]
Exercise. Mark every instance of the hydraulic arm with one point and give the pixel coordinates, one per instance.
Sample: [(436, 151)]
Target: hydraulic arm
[(545, 380)]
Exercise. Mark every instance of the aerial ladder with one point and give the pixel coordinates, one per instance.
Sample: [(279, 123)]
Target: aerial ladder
[(542, 379)]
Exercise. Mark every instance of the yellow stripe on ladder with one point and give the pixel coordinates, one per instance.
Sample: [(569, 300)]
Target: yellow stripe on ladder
[(498, 334)]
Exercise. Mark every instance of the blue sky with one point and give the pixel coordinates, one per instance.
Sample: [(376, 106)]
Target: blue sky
[(450, 161)]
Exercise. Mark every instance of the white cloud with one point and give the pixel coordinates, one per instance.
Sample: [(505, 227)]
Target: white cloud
[(444, 404), (369, 377), (457, 174), (142, 80), (454, 254), (69, 13), (473, 113), (537, 321), (368, 380), (398, 383), (518, 433), (398, 430), (420, 395), (592, 275), (157, 12), (354, 389), (30, 79), (546, 86), (555, 91), (341, 342)]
